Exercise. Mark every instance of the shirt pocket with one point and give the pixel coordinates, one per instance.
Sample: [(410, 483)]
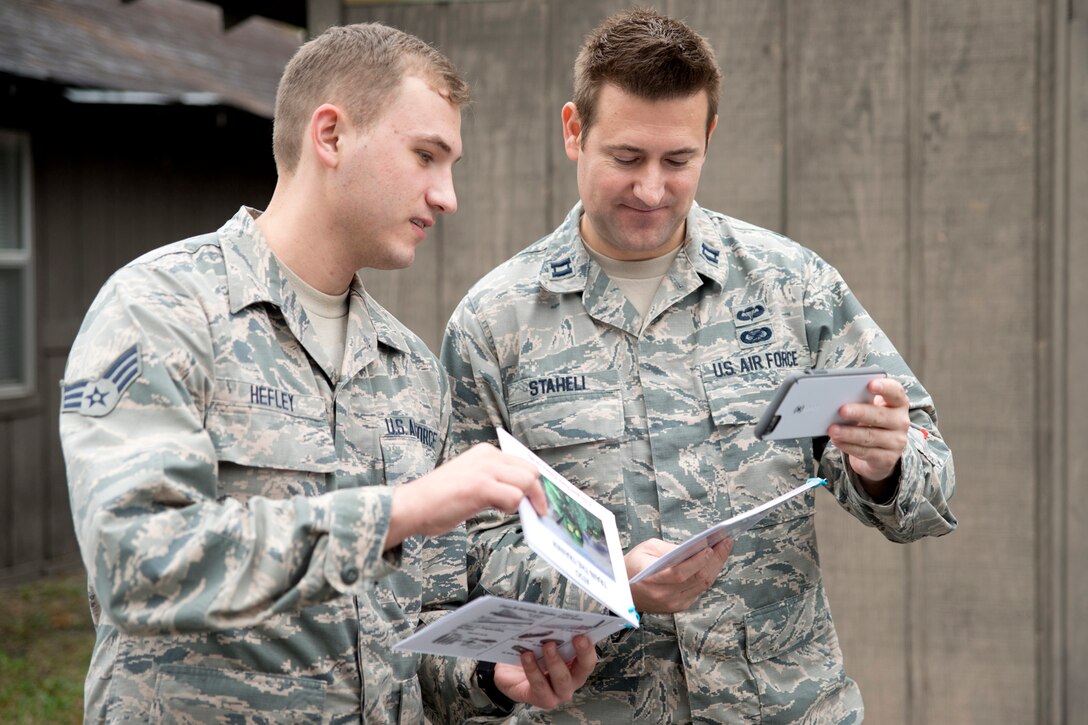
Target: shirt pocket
[(404, 459), (738, 400), (268, 451), (557, 411), (185, 694), (576, 426), (794, 635), (756, 471)]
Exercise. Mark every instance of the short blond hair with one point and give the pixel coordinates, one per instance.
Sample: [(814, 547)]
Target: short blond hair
[(357, 67)]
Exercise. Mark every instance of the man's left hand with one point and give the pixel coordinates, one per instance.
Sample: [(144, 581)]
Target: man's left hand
[(553, 686), (875, 444)]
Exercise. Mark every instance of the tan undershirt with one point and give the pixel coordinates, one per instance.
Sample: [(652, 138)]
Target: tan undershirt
[(638, 280), (328, 314)]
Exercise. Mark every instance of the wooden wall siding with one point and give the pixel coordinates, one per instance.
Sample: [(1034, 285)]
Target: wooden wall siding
[(905, 141), (978, 311), (745, 167), (846, 171), (109, 185), (1070, 637)]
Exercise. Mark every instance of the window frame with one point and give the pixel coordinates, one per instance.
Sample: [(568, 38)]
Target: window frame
[(23, 259)]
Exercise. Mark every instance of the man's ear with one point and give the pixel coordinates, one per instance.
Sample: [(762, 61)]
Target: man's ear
[(327, 127), (710, 132), (572, 131)]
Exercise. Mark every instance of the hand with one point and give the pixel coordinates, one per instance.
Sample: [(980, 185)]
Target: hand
[(674, 589), (480, 478), (875, 445), (530, 684)]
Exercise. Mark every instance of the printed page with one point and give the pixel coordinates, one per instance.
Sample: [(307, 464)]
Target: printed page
[(729, 529), (493, 629), (577, 536)]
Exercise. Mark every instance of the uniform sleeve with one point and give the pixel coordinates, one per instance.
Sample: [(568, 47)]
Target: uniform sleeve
[(841, 334), (164, 551)]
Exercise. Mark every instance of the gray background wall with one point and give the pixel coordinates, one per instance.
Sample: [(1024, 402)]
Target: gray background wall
[(936, 152)]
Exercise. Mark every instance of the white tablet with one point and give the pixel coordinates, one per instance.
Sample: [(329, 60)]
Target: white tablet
[(808, 402)]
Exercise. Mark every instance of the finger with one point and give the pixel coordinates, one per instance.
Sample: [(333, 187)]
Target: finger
[(683, 572), (540, 691), (865, 438), (558, 673), (875, 416), (894, 394), (877, 459), (722, 550), (524, 476), (653, 547), (504, 487), (504, 497), (535, 676), (537, 498), (585, 661)]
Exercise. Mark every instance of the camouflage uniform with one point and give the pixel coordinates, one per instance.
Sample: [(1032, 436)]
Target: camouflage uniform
[(658, 428), (232, 503)]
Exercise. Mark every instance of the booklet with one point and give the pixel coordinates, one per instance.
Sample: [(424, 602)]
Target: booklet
[(728, 529), (493, 629), (577, 536)]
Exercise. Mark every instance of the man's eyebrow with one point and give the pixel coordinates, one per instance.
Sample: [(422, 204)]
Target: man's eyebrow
[(437, 141), (636, 150), (440, 142)]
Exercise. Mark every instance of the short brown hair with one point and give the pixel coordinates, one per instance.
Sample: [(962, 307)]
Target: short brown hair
[(357, 67), (646, 54)]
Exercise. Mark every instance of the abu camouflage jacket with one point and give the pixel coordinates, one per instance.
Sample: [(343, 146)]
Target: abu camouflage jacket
[(657, 426), (231, 497)]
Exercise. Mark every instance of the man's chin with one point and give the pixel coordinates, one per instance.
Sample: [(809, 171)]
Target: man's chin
[(400, 258), (638, 245)]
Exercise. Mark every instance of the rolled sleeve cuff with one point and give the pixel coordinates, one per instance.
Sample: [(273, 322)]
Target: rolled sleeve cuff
[(894, 513), (480, 705), (359, 525)]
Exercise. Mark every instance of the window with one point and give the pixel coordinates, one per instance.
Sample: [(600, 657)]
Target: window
[(16, 268)]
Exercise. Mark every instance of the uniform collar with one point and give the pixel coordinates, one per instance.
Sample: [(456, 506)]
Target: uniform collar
[(254, 275), (253, 272), (568, 267), (705, 246)]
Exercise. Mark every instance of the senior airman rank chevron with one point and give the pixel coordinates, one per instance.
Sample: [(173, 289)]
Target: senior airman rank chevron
[(99, 397)]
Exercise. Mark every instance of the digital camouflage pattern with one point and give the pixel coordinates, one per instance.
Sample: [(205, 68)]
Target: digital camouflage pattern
[(231, 506), (658, 428)]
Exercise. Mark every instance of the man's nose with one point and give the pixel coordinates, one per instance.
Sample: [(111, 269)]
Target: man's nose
[(442, 195), (650, 187)]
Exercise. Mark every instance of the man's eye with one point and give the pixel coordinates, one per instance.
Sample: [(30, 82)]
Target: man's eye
[(425, 156), (677, 163), (624, 161)]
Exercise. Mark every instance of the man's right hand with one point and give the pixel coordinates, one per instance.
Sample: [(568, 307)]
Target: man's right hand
[(480, 478), (676, 588), (553, 686)]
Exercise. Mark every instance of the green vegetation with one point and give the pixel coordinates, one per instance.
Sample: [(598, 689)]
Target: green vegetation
[(46, 639)]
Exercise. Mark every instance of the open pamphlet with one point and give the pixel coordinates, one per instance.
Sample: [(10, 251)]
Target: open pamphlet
[(728, 529), (494, 629), (578, 537)]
